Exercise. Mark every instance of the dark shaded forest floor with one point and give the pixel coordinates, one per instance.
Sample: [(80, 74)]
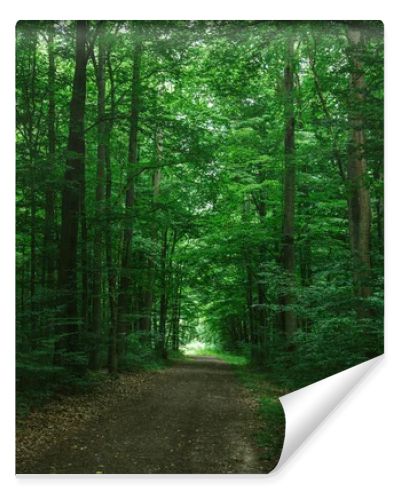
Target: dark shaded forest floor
[(194, 417)]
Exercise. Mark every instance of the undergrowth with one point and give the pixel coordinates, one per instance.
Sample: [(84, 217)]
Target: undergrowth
[(39, 381)]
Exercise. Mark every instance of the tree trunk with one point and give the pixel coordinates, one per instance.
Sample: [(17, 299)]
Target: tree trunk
[(262, 255), (33, 209), (359, 197), (149, 289), (160, 345), (84, 259), (176, 309), (111, 276), (125, 288), (98, 230), (71, 193), (248, 258), (288, 251), (49, 222), (111, 269)]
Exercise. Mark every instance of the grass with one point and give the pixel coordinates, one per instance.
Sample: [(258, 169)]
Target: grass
[(271, 435), (232, 359)]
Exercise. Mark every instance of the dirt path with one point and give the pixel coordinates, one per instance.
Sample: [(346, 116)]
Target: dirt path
[(192, 418)]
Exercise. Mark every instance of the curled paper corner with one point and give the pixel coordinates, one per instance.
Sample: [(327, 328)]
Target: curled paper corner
[(306, 408)]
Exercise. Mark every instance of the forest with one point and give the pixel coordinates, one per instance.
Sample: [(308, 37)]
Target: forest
[(210, 181)]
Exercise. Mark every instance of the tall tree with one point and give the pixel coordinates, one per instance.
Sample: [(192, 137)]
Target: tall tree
[(359, 196), (288, 249), (33, 156), (49, 222), (148, 291), (160, 342), (99, 195), (125, 285), (71, 196), (112, 354)]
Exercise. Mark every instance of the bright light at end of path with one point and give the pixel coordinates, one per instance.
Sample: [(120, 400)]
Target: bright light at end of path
[(193, 347)]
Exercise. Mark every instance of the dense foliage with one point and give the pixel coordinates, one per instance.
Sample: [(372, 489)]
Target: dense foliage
[(212, 180)]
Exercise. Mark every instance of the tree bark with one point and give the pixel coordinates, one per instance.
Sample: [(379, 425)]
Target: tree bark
[(71, 194), (111, 268), (33, 202), (84, 260), (359, 197), (125, 288), (249, 272), (160, 344), (261, 285), (49, 222), (176, 309), (151, 260), (288, 250), (98, 230)]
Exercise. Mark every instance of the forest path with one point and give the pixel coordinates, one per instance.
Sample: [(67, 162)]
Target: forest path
[(194, 417)]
